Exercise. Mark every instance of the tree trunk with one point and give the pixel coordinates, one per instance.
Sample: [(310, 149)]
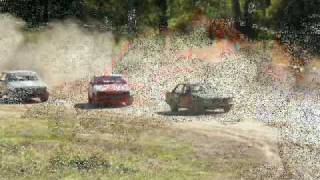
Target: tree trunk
[(248, 11), (163, 24), (132, 17), (236, 13), (45, 14)]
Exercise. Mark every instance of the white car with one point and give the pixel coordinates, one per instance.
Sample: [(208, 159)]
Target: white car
[(22, 86)]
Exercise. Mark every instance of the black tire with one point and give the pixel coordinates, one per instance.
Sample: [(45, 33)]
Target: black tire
[(44, 98), (90, 100), (174, 107), (129, 101), (15, 99)]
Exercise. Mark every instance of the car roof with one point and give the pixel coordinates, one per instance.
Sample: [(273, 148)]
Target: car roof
[(111, 75), (20, 71), (116, 75), (194, 84)]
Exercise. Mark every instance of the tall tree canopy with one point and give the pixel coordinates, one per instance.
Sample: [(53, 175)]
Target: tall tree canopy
[(291, 15)]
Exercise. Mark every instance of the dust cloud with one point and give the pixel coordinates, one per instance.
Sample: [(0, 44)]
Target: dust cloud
[(61, 52), (10, 38)]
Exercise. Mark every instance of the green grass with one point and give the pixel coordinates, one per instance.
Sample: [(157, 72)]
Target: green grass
[(104, 146)]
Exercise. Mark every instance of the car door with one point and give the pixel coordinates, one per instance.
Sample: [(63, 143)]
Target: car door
[(177, 91), (185, 98)]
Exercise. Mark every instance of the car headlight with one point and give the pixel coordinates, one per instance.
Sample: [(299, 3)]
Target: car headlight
[(97, 88)]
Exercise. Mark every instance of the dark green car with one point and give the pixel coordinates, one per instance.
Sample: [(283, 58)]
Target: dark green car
[(197, 98)]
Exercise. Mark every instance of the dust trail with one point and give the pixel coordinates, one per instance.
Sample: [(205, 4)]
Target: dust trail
[(10, 38), (61, 52)]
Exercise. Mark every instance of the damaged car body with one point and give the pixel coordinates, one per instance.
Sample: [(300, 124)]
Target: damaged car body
[(21, 86), (197, 98)]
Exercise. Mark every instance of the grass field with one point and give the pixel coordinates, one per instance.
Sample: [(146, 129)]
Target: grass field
[(61, 144)]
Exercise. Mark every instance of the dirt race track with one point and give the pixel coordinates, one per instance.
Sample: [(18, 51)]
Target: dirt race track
[(248, 139)]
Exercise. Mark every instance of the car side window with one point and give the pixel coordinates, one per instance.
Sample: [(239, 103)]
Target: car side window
[(188, 90), (179, 89)]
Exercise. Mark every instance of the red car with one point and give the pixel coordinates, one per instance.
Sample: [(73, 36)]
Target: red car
[(109, 90)]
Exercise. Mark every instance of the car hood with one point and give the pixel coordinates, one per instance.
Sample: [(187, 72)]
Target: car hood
[(26, 84), (111, 87)]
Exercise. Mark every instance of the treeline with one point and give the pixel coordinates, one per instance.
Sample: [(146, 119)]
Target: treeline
[(175, 14), (134, 16)]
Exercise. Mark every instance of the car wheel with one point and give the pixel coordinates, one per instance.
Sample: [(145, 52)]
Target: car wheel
[(226, 109), (44, 98), (174, 107), (90, 100), (14, 99), (130, 101)]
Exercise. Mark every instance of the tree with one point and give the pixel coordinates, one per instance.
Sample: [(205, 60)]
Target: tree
[(248, 12), (295, 18), (163, 20), (180, 13), (236, 13), (132, 17)]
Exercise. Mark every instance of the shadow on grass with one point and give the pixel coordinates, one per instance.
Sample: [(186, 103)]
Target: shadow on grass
[(188, 113), (87, 106)]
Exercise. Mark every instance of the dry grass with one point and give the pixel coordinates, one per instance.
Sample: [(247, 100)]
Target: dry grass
[(58, 143)]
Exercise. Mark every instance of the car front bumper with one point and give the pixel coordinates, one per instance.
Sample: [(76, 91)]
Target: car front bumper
[(112, 99), (27, 93)]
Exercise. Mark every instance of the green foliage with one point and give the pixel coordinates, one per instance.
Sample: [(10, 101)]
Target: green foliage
[(295, 18), (217, 9), (292, 15), (180, 13), (264, 35), (114, 11)]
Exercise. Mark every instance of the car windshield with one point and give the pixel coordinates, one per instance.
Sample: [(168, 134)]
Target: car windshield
[(202, 89), (196, 88), (109, 80), (21, 77)]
